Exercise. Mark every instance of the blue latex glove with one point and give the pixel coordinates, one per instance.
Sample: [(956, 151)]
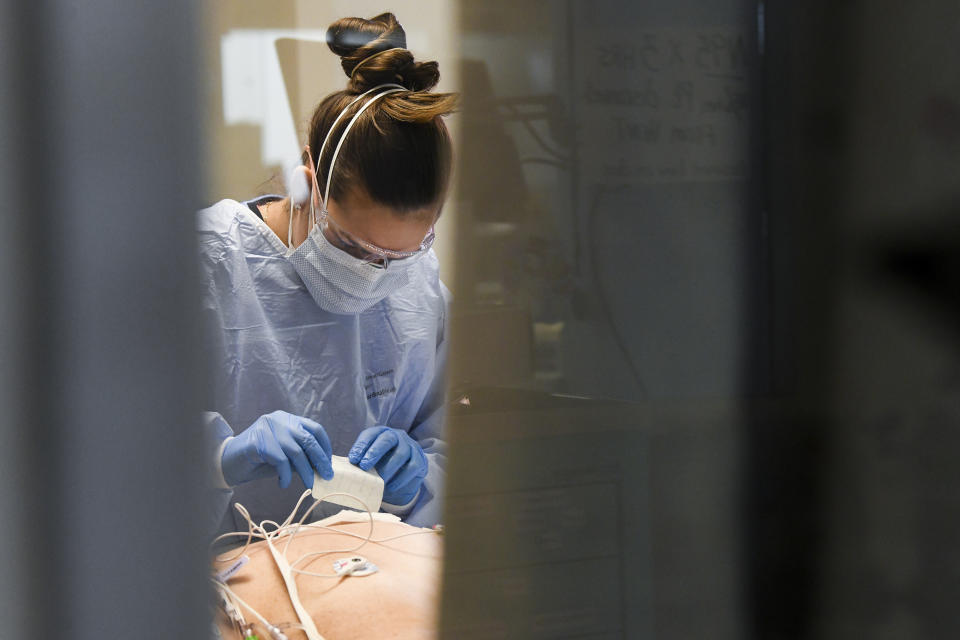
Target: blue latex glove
[(398, 458), (272, 445)]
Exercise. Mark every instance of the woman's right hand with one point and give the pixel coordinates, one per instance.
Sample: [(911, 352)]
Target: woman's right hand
[(277, 444)]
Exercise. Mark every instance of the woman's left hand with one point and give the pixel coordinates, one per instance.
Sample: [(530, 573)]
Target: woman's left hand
[(398, 458)]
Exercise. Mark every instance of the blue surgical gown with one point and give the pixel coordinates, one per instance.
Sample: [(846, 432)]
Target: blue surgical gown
[(270, 346)]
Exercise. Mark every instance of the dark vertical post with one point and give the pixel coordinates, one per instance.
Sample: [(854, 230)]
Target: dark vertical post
[(102, 450)]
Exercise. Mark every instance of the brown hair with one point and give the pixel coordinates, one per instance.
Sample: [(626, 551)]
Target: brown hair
[(399, 150)]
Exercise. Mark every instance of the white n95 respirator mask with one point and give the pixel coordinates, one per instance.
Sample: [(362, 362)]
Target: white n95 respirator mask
[(340, 283)]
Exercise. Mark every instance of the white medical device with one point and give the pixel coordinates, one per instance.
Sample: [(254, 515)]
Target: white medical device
[(367, 486)]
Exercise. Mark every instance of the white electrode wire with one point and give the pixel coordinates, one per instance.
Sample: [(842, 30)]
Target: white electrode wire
[(227, 592), (368, 539), (250, 536), (418, 532), (250, 533), (287, 569), (303, 518), (233, 612), (290, 530), (283, 565), (263, 527), (315, 554), (306, 514), (284, 529), (289, 580), (252, 528), (241, 601)]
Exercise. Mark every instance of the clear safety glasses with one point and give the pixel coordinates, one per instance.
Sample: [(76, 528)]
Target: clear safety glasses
[(367, 251)]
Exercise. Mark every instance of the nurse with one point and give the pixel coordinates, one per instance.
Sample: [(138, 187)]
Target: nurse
[(327, 317)]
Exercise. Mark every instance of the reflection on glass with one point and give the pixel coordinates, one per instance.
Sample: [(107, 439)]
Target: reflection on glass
[(599, 299)]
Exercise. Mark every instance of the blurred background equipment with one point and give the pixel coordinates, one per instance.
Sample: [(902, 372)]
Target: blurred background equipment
[(734, 244)]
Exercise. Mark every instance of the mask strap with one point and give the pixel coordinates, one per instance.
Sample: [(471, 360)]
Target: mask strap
[(334, 126), (323, 146), (343, 136), (290, 226)]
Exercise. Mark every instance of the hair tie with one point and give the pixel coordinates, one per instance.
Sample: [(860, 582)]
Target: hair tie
[(358, 65)]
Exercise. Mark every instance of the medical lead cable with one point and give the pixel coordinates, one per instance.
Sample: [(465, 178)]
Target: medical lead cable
[(274, 630), (289, 529), (233, 596), (287, 573), (283, 565)]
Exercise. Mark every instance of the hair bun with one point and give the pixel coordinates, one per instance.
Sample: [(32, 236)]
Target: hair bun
[(348, 36), (375, 52)]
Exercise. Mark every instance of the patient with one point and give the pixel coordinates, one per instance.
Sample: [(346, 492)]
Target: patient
[(398, 600)]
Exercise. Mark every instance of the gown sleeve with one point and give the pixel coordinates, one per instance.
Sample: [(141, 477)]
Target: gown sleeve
[(426, 509), (216, 432)]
